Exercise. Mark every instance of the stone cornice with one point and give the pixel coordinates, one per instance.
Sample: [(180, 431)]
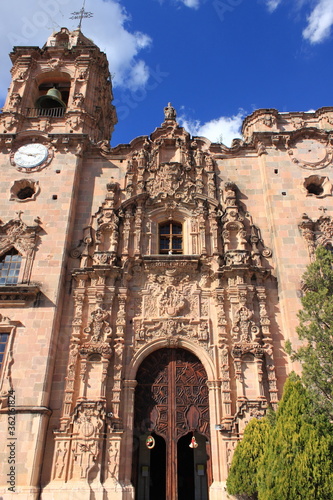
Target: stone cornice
[(18, 295), (42, 410)]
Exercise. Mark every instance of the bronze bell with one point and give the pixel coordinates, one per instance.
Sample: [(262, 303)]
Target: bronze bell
[(51, 100)]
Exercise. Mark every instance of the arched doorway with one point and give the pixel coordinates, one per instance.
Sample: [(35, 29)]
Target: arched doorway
[(171, 406)]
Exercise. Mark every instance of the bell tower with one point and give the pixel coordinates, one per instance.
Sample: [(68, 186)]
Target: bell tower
[(65, 87), (57, 118)]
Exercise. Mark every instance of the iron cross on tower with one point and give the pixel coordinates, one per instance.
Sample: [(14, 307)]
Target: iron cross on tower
[(81, 14)]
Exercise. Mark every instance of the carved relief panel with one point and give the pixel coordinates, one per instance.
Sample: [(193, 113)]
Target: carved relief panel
[(172, 305)]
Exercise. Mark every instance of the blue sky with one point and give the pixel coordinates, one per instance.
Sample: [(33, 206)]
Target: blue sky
[(215, 60)]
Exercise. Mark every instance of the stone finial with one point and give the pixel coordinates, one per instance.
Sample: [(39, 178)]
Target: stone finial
[(169, 113)]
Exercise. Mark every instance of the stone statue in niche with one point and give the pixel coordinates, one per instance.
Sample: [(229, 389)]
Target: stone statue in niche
[(78, 99), (203, 333), (15, 100), (209, 163), (142, 159), (198, 155), (99, 328), (244, 328)]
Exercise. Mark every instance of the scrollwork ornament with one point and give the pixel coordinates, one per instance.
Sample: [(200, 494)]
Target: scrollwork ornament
[(267, 253)]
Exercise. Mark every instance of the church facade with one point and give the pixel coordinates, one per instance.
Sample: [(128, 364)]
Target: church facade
[(146, 290)]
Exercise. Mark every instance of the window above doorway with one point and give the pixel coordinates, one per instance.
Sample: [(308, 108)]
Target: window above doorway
[(170, 238)]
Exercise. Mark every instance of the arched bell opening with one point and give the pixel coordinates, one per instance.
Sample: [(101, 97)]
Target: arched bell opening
[(171, 423), (52, 94)]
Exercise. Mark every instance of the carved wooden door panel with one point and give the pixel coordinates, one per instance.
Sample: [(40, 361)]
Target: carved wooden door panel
[(171, 400)]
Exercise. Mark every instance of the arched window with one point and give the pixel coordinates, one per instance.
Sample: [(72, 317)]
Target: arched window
[(10, 264), (171, 238)]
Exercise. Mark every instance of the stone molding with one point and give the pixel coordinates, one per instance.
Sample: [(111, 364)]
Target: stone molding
[(316, 232), (16, 234)]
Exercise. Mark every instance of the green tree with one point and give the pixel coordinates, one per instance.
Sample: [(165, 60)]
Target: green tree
[(288, 455), (316, 330), (243, 471), (297, 461), (293, 458)]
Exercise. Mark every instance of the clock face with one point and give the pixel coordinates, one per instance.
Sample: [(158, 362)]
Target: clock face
[(31, 155), (311, 153)]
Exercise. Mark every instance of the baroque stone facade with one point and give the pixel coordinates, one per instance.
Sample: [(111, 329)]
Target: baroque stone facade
[(153, 284)]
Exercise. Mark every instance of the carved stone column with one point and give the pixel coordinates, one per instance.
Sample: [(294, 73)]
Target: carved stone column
[(202, 229), (268, 345), (126, 450), (140, 185), (264, 319), (214, 232), (226, 390), (194, 235), (112, 464), (260, 362), (221, 316), (224, 353), (129, 179), (149, 236), (79, 297), (126, 231), (198, 179), (138, 229), (119, 351), (218, 463), (237, 355), (211, 185)]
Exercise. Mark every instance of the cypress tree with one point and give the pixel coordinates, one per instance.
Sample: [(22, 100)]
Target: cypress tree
[(291, 457), (316, 330), (242, 478), (297, 462)]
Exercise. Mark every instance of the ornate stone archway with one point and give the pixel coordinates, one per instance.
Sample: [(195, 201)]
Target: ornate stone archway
[(171, 401)]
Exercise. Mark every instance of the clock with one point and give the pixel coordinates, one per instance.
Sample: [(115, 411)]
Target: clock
[(310, 153), (31, 157)]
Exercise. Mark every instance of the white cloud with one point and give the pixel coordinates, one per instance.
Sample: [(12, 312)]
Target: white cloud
[(138, 75), (320, 22), (35, 20), (273, 4), (223, 129), (193, 4)]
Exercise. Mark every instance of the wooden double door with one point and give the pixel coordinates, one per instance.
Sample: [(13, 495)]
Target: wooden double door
[(171, 458)]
